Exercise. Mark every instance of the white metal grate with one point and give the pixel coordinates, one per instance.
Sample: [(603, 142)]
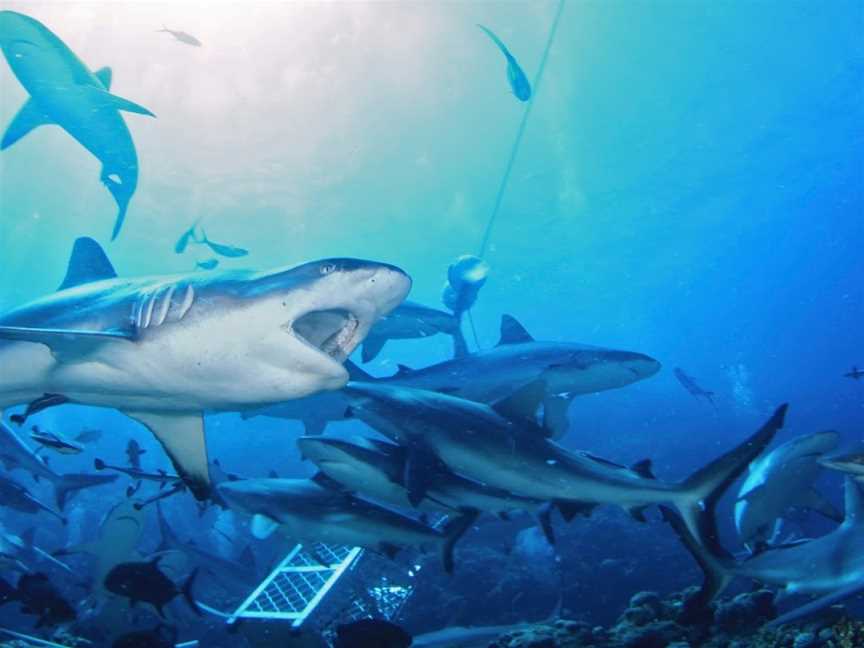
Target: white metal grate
[(298, 584)]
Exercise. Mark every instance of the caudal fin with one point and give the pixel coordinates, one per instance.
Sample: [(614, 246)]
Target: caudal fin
[(702, 490), (453, 531), (70, 484), (715, 562), (187, 592)]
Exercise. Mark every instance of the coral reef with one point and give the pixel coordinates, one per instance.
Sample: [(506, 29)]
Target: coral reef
[(650, 621)]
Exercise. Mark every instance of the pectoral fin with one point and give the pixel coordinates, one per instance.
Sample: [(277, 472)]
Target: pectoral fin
[(182, 436), (372, 346), (262, 526), (420, 466), (555, 420), (28, 118), (65, 344), (105, 98)]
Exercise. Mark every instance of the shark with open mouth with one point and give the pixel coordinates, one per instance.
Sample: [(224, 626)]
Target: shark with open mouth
[(165, 349)]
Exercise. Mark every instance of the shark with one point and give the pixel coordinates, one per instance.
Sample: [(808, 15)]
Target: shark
[(688, 383), (830, 568), (15, 454), (780, 480), (165, 349), (14, 496), (566, 369), (63, 91), (23, 549), (851, 463), (379, 470), (502, 447), (306, 511), (411, 320)]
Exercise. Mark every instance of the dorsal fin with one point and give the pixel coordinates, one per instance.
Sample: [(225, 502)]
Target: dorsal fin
[(643, 469), (512, 332), (854, 502), (522, 405), (87, 263), (403, 370), (104, 76)]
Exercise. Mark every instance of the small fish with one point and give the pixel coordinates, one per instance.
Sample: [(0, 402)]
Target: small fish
[(39, 597), (855, 373), (160, 476), (43, 402), (518, 81), (371, 632), (181, 36), (209, 264), (144, 581), (55, 442), (690, 385), (89, 435), (185, 238), (224, 250), (133, 453)]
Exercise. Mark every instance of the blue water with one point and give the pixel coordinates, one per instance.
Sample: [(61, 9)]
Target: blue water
[(690, 185)]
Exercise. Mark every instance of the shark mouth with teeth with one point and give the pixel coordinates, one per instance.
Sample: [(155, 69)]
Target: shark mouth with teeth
[(333, 332)]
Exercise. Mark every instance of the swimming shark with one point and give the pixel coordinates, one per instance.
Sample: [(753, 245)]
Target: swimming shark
[(23, 549), (306, 511), (165, 349), (411, 320), (502, 447), (14, 496), (566, 369), (780, 480), (380, 470), (65, 92), (830, 567), (690, 385), (519, 83), (54, 441), (14, 453), (851, 463)]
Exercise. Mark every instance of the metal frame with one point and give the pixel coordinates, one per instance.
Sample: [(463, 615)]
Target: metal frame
[(298, 584)]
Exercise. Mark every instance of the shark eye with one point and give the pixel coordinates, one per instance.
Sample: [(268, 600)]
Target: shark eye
[(327, 268)]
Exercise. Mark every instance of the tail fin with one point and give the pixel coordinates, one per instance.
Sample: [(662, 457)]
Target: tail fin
[(495, 40), (355, 373), (187, 592), (702, 490), (715, 562), (70, 484), (453, 531)]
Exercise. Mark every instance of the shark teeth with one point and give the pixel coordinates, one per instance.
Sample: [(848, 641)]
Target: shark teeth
[(337, 345), (332, 332)]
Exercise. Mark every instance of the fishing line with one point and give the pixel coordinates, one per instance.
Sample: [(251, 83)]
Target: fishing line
[(509, 168), (505, 179)]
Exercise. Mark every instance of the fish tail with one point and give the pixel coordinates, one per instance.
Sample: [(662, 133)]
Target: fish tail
[(495, 40), (713, 560), (460, 346), (699, 494), (187, 592), (454, 530)]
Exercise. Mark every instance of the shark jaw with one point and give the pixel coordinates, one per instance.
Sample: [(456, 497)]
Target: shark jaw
[(332, 332)]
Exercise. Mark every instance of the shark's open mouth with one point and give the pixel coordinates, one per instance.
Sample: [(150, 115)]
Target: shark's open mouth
[(333, 332)]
